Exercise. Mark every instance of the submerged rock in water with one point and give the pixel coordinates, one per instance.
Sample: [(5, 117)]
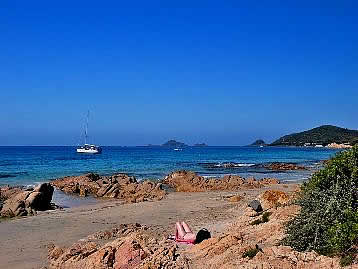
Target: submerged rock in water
[(187, 181), (19, 202), (278, 166), (119, 186)]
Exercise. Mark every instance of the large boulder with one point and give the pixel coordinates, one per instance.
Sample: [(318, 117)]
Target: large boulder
[(256, 205), (27, 202), (82, 184), (274, 198), (119, 186)]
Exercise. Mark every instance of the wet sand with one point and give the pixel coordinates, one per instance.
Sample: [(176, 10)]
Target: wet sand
[(24, 241)]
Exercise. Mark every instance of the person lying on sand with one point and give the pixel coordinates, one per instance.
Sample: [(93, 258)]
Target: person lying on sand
[(183, 234)]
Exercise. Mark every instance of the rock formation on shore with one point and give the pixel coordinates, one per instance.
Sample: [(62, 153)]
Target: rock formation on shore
[(245, 244), (249, 243), (119, 186), (22, 202), (133, 247), (187, 181)]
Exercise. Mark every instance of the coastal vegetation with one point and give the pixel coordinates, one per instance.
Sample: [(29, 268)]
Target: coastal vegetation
[(250, 253), (322, 135), (265, 218), (328, 219)]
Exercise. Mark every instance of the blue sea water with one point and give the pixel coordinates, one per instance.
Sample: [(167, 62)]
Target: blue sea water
[(32, 165)]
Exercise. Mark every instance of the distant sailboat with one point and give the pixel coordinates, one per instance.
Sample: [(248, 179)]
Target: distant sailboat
[(88, 148)]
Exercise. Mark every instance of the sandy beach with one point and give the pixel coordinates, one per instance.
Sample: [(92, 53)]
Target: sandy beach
[(24, 241)]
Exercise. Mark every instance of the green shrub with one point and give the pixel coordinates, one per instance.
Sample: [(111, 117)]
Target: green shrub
[(250, 253), (328, 220), (346, 260), (265, 218)]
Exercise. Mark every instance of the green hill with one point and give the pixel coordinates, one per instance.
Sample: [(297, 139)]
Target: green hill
[(322, 135)]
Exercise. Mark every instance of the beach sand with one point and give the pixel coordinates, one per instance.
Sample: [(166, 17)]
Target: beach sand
[(24, 241)]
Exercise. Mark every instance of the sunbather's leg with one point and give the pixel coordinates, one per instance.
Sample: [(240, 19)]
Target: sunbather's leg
[(186, 227), (179, 229), (189, 236)]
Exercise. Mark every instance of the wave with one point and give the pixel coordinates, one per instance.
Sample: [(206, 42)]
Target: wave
[(225, 165)]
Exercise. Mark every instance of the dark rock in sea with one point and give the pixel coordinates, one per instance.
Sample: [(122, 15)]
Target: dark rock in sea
[(258, 142), (277, 166), (20, 202), (174, 144), (119, 186), (256, 205)]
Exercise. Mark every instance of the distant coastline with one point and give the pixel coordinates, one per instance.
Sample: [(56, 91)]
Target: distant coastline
[(323, 136)]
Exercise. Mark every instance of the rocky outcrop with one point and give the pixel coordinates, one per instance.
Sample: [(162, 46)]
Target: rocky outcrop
[(273, 198), (23, 202), (187, 181), (134, 249), (227, 251), (119, 186), (277, 166)]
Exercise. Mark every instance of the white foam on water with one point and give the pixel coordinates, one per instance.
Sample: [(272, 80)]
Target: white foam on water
[(228, 165)]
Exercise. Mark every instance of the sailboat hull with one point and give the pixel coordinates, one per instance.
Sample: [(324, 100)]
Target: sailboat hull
[(90, 150)]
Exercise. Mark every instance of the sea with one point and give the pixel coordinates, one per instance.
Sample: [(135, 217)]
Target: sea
[(33, 165)]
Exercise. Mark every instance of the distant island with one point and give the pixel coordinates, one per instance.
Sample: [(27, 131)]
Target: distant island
[(324, 135), (200, 145), (258, 142), (174, 144)]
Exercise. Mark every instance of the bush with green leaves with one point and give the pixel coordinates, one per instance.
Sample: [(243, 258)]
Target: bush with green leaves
[(328, 219), (250, 253), (264, 219)]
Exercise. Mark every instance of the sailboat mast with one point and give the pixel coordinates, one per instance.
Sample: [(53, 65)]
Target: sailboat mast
[(86, 129)]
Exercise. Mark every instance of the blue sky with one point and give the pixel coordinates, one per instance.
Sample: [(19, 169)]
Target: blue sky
[(220, 72)]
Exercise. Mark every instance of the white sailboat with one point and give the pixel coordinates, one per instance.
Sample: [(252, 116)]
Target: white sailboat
[(88, 148)]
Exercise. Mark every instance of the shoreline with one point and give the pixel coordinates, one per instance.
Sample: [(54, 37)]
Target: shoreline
[(31, 236)]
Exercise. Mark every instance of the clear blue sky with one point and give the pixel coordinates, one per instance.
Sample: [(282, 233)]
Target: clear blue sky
[(220, 72)]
